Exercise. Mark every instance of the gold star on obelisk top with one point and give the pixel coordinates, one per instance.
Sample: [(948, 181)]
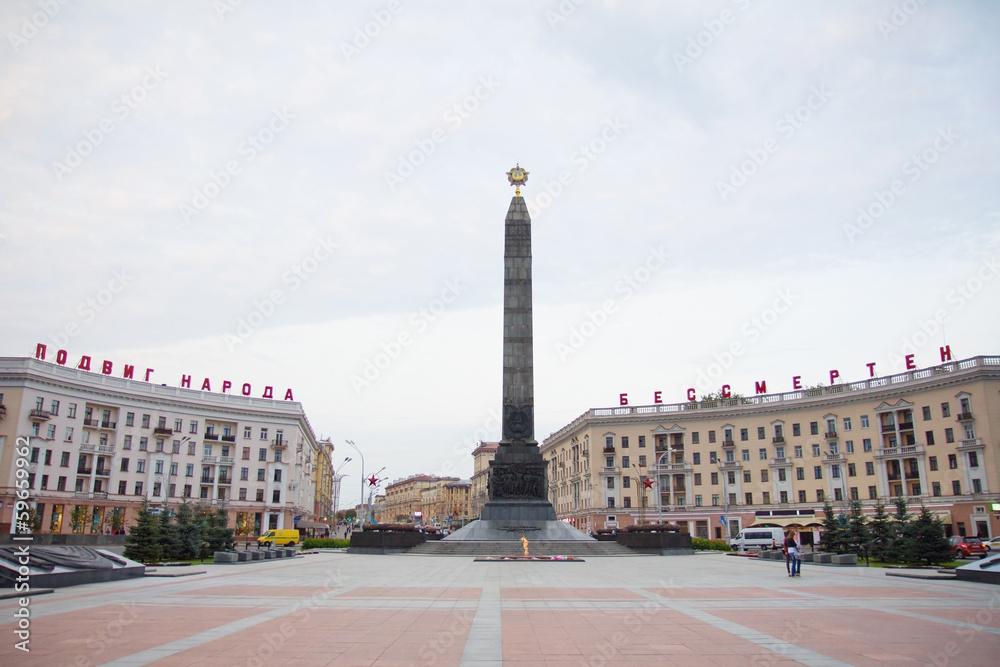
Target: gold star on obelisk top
[(517, 178)]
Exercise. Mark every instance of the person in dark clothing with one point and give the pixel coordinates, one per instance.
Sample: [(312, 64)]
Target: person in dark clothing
[(793, 561)]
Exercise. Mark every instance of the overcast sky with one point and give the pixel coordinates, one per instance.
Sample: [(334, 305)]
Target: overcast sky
[(279, 193)]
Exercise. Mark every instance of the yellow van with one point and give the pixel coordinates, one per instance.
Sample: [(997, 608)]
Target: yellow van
[(279, 537)]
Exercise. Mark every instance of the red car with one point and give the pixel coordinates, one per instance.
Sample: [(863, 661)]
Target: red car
[(964, 547)]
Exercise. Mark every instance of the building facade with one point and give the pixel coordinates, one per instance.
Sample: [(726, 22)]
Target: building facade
[(930, 435), (414, 498), (323, 482), (98, 446)]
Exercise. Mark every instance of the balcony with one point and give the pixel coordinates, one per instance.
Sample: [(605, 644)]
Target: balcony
[(728, 444), (888, 428), (225, 479), (780, 462), (39, 415), (97, 449), (229, 438), (609, 449), (94, 423), (208, 480), (227, 460), (830, 457), (906, 450), (99, 495), (211, 436), (970, 445), (905, 426), (84, 471), (830, 435), (163, 430), (610, 470), (895, 477), (669, 468), (731, 465), (965, 416), (778, 440), (279, 443), (103, 472)]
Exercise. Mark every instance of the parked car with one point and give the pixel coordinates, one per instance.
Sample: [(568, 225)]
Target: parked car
[(995, 542), (964, 547)]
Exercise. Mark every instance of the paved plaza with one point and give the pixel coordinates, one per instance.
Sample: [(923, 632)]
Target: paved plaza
[(340, 609)]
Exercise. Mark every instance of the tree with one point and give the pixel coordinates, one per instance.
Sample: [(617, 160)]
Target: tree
[(118, 519), (902, 544), (169, 536), (834, 534), (857, 536), (929, 545), (188, 532), (78, 518), (881, 536), (218, 534), (143, 541), (351, 514)]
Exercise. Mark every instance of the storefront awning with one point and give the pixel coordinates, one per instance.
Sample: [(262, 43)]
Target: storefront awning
[(787, 521), (944, 515)]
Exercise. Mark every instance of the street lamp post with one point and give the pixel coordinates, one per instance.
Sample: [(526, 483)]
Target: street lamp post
[(361, 501), (371, 491), (336, 487)]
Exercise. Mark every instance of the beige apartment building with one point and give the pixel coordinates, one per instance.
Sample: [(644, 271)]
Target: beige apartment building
[(930, 435), (97, 446), (405, 498)]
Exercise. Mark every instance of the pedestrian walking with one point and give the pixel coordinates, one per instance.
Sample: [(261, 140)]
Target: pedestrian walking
[(793, 560)]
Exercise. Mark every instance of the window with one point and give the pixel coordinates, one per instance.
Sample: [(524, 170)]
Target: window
[(50, 432), (159, 444), (847, 423), (143, 443), (696, 457), (760, 433), (611, 482), (695, 438), (697, 479), (189, 470), (864, 421), (731, 477), (173, 491), (204, 492), (798, 451), (191, 446), (711, 436), (642, 460), (642, 441), (156, 488), (247, 434), (192, 427), (802, 496), (838, 494), (712, 458), (130, 419), (869, 468), (260, 495), (69, 434), (697, 501), (932, 460), (927, 412), (178, 425), (140, 465), (262, 454), (746, 476), (835, 471), (246, 453), (763, 454), (124, 467), (715, 500), (952, 462), (800, 473), (624, 442), (145, 423), (949, 435), (161, 422), (277, 475), (244, 473), (946, 412), (820, 496), (782, 475), (122, 487), (263, 435), (158, 469), (626, 483), (746, 454), (277, 456), (744, 434), (935, 488), (977, 485), (71, 411), (173, 469), (834, 448), (815, 450), (208, 449), (730, 456), (749, 497), (609, 462), (260, 474), (276, 496), (779, 451), (956, 488), (849, 444), (763, 475), (866, 444), (818, 472), (243, 494), (852, 470), (625, 462), (138, 489), (64, 459), (715, 478), (796, 429), (766, 498), (814, 428), (48, 457), (187, 490), (973, 460)]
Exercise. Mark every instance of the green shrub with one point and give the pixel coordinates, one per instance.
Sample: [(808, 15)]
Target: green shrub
[(701, 544), (324, 543)]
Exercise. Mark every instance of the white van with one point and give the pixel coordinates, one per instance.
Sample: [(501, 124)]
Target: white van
[(760, 539)]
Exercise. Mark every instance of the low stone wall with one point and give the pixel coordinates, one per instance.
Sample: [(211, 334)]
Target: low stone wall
[(67, 539), (820, 558), (250, 556), (384, 541), (661, 544)]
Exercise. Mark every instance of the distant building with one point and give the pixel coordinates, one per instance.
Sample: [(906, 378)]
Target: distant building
[(929, 435), (404, 498), (98, 446), (478, 491)]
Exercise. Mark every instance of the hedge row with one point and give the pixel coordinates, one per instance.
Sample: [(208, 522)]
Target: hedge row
[(701, 544), (325, 543)]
